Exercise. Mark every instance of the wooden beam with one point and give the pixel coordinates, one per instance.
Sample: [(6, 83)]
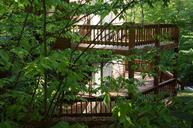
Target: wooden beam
[(131, 45), (157, 56)]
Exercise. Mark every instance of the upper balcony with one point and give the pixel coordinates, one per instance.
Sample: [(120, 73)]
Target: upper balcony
[(121, 38)]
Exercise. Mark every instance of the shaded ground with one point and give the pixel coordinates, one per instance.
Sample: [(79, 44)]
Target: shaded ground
[(182, 107)]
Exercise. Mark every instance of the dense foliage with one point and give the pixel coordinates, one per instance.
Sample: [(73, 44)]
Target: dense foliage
[(35, 77), (177, 12)]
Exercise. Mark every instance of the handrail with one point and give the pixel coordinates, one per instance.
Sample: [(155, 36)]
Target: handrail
[(127, 34), (113, 98), (94, 106), (130, 25), (95, 98), (161, 85)]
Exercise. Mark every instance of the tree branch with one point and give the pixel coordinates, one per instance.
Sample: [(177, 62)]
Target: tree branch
[(123, 10), (45, 53), (24, 24)]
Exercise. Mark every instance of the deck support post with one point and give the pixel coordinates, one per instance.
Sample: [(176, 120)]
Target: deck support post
[(130, 70), (60, 110), (157, 58), (176, 51), (131, 45), (156, 69)]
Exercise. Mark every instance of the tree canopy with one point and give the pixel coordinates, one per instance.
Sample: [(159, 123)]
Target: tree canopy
[(35, 77)]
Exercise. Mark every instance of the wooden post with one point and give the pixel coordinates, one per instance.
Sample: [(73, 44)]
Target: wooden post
[(176, 34), (156, 77), (60, 112), (130, 71), (161, 77), (61, 43), (131, 45), (157, 57), (176, 50)]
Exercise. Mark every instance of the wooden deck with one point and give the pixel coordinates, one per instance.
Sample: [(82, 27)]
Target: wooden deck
[(122, 38), (145, 84), (94, 106)]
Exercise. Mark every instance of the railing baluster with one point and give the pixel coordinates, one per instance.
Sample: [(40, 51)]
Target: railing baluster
[(118, 35), (98, 35), (113, 36), (86, 107), (66, 109), (76, 108), (91, 107), (110, 107), (96, 107), (71, 108), (100, 107), (81, 107), (93, 35), (143, 34), (146, 35), (126, 36), (60, 109), (122, 37), (106, 34), (138, 34), (110, 36), (101, 35)]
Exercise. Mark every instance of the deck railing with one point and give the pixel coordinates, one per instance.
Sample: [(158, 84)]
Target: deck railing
[(94, 106), (127, 35), (168, 86)]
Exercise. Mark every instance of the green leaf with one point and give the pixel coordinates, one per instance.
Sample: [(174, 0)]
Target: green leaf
[(107, 99), (20, 52), (61, 125), (7, 124)]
